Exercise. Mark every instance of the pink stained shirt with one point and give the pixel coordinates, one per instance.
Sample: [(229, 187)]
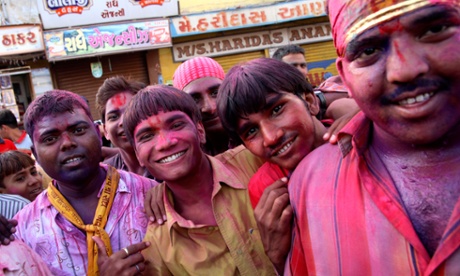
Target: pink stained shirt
[(19, 259), (267, 174), (349, 218), (63, 246)]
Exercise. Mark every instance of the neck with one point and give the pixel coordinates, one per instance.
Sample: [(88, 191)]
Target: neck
[(14, 134), (195, 188), (78, 192), (444, 149), (319, 130), (218, 145), (130, 159)]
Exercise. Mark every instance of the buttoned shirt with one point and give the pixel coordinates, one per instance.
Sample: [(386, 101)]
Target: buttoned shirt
[(63, 246), (233, 247), (19, 259), (350, 219)]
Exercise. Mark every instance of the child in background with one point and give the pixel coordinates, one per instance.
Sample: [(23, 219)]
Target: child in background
[(18, 175)]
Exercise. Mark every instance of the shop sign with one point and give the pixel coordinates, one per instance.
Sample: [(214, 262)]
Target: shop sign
[(101, 40), (21, 39), (244, 18), (227, 45), (68, 13)]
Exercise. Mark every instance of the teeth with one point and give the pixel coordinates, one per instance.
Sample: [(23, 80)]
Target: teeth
[(418, 99), (73, 160), (284, 148), (171, 157)]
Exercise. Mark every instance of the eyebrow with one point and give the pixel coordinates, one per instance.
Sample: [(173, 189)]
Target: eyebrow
[(268, 104), (437, 14), (54, 130), (209, 88)]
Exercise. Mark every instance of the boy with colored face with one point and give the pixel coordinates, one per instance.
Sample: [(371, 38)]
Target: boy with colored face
[(19, 176), (210, 226), (94, 208), (387, 200), (273, 113), (112, 99)]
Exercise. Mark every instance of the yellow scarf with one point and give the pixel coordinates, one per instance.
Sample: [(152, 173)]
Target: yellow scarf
[(100, 219)]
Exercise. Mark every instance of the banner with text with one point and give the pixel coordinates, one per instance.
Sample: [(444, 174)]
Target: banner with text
[(244, 18), (69, 13), (21, 39), (228, 45), (100, 40)]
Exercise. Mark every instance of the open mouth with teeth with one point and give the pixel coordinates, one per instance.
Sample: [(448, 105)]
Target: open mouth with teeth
[(72, 160), (171, 157), (419, 99), (285, 148), (36, 191)]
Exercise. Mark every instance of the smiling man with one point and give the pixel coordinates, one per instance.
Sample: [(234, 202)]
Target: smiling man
[(112, 98), (210, 227), (386, 201), (87, 206), (201, 77)]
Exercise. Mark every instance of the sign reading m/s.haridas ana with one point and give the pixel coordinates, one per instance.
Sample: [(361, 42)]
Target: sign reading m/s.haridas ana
[(69, 13), (108, 39)]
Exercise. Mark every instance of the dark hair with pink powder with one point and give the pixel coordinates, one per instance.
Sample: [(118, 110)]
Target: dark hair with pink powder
[(52, 103), (246, 86), (153, 99)]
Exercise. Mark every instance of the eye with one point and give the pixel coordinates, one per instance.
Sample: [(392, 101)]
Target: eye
[(49, 139), (177, 125), (196, 98), (437, 33), (34, 172), (112, 117), (146, 137), (20, 178), (277, 109), (214, 92), (250, 133), (79, 130)]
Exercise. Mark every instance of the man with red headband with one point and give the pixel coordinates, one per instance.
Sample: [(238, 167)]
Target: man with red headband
[(386, 199)]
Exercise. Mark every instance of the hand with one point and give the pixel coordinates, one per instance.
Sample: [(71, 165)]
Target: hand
[(7, 229), (352, 109), (121, 263), (274, 215), (154, 206)]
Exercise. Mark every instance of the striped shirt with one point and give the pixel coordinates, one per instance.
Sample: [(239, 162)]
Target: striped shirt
[(11, 204), (63, 246), (350, 219)]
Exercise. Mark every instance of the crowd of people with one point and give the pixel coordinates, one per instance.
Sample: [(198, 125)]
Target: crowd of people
[(253, 172)]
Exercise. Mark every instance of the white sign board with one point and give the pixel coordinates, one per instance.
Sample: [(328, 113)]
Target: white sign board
[(69, 13)]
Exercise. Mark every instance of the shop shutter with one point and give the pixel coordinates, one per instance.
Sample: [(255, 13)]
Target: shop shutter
[(229, 61), (75, 75), (321, 60)]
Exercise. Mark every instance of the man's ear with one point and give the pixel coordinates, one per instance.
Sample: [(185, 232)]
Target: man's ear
[(105, 132), (201, 132), (312, 103)]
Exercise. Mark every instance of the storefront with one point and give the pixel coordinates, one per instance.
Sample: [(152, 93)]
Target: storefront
[(240, 35), (24, 71), (118, 38)]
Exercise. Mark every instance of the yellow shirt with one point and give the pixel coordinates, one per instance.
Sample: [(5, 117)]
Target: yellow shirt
[(233, 247)]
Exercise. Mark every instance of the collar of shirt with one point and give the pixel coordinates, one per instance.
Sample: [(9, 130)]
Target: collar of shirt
[(22, 137), (221, 176), (355, 134), (122, 188)]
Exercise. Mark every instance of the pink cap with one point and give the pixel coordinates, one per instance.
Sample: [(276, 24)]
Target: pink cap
[(196, 68)]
